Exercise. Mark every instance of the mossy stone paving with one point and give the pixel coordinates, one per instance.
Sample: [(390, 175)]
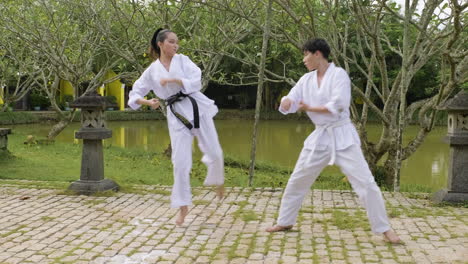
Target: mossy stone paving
[(40, 225)]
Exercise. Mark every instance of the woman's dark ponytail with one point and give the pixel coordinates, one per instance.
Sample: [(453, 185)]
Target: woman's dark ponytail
[(154, 43), (158, 36)]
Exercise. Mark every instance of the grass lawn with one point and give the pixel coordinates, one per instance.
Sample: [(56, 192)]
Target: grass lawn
[(59, 164)]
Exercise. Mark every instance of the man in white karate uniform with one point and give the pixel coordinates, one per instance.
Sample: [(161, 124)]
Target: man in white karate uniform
[(325, 94)]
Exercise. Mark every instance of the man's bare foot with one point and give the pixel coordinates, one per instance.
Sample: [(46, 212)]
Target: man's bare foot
[(278, 228), (220, 191), (391, 237), (182, 214)]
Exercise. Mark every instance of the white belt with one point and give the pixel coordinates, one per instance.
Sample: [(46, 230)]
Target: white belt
[(329, 128)]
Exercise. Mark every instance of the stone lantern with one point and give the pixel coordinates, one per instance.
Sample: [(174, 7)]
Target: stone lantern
[(93, 131), (4, 138), (457, 137)]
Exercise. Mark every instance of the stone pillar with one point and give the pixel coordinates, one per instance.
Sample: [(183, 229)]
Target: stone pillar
[(93, 131), (4, 138), (457, 137)]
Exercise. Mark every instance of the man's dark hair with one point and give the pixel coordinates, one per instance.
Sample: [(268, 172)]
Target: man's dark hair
[(313, 45)]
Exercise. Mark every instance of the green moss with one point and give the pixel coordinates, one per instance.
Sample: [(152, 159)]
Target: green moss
[(108, 193), (246, 215), (47, 218), (345, 220), (448, 205), (249, 215), (416, 194), (232, 250), (394, 212), (131, 253), (200, 202), (94, 202), (16, 230), (135, 189), (332, 179), (416, 212), (242, 204)]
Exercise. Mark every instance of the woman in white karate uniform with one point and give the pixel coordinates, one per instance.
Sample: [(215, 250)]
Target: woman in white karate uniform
[(325, 94), (175, 78)]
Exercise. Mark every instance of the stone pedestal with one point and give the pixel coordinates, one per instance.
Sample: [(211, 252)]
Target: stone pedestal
[(457, 137), (93, 131), (4, 138)]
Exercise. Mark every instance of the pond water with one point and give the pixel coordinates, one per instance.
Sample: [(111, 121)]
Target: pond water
[(279, 142)]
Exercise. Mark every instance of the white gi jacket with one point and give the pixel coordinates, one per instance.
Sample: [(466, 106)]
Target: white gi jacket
[(181, 68), (334, 93)]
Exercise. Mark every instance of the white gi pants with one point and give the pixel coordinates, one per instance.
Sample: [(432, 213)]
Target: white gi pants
[(181, 143), (353, 164)]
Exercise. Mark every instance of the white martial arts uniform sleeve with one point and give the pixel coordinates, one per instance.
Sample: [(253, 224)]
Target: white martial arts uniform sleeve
[(340, 94), (192, 79), (140, 89), (295, 95)]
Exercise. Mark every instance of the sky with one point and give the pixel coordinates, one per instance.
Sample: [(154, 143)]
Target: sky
[(420, 4), (402, 4)]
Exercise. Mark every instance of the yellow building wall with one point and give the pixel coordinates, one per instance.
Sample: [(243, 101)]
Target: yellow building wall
[(1, 95), (100, 90), (66, 88), (116, 89), (122, 138)]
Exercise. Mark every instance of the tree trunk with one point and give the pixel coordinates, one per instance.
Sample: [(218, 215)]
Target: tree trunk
[(168, 151), (61, 125), (389, 170), (267, 101), (4, 107), (261, 76), (57, 128), (403, 91), (370, 156)]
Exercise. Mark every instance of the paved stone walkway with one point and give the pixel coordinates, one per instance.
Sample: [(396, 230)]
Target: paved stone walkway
[(44, 226)]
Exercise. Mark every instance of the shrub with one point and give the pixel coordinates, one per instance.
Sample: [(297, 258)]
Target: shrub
[(67, 98), (37, 99), (111, 101), (10, 118)]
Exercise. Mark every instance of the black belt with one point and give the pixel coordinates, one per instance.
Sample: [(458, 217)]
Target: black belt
[(196, 116)]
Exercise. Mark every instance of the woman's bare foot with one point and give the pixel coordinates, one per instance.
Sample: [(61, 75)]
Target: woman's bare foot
[(278, 228), (182, 214), (220, 192), (391, 237)]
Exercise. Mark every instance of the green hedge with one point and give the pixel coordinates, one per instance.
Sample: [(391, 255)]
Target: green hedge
[(249, 114), (133, 115), (11, 118), (8, 118)]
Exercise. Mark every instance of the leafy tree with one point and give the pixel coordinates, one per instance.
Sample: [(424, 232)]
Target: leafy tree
[(66, 47), (385, 51), (17, 70)]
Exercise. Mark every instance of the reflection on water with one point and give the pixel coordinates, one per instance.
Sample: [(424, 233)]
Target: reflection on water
[(429, 164), (278, 141)]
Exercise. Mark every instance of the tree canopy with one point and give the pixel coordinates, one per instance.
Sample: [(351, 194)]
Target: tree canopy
[(403, 61)]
